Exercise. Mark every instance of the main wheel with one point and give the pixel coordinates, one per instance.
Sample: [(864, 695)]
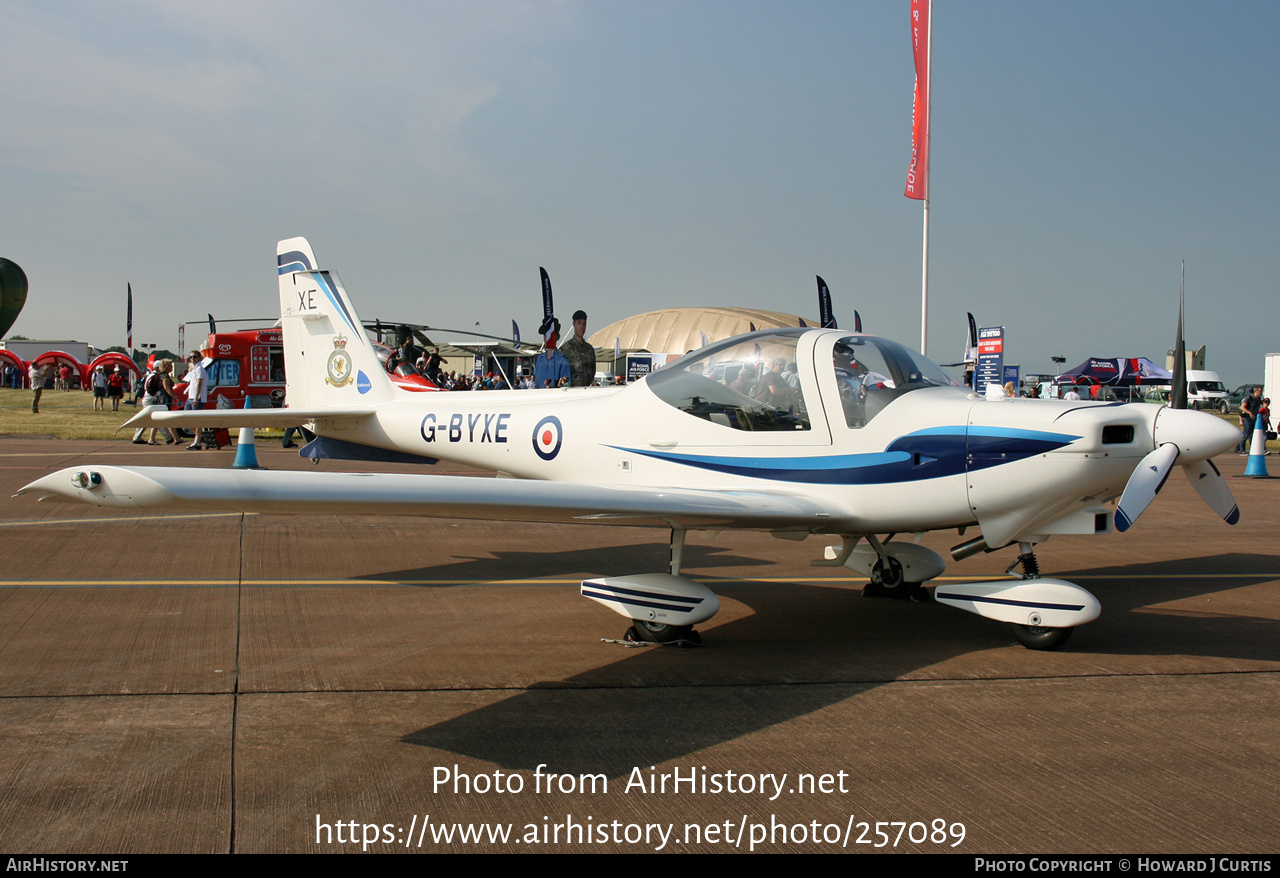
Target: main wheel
[(657, 632), (888, 580), (1039, 637)]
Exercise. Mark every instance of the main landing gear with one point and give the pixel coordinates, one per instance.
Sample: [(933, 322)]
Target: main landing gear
[(662, 607), (644, 631)]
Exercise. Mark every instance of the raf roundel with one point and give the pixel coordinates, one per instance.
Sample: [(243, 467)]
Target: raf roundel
[(546, 437)]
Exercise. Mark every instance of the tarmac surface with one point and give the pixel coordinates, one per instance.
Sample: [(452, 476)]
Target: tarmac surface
[(228, 683)]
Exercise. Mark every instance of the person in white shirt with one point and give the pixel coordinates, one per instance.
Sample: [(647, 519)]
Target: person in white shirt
[(99, 390), (197, 390)]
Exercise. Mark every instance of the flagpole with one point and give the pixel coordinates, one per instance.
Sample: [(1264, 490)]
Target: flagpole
[(928, 158), (924, 287)]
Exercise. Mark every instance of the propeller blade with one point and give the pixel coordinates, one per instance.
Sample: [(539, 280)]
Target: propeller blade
[(1144, 484), (1212, 487)]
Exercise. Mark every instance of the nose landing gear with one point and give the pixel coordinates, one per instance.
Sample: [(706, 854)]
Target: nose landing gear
[(1041, 611), (1034, 635)]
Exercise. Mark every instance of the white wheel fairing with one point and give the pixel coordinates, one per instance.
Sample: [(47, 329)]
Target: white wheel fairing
[(656, 598), (1047, 603)]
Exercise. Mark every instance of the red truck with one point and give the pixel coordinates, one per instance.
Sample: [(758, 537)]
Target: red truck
[(250, 362)]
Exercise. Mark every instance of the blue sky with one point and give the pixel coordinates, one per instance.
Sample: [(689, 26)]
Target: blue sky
[(650, 155)]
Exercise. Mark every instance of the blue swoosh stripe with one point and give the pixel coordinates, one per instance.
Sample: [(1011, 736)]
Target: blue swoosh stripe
[(930, 453), (995, 433), (852, 469)]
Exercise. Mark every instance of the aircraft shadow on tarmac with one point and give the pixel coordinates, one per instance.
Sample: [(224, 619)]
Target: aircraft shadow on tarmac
[(808, 647)]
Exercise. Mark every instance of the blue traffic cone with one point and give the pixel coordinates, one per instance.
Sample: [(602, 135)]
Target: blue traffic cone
[(1256, 468), (246, 453)]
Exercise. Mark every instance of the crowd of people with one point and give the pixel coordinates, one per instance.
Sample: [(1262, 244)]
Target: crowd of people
[(568, 364)]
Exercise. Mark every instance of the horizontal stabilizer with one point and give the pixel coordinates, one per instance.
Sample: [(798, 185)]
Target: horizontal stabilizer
[(159, 416)]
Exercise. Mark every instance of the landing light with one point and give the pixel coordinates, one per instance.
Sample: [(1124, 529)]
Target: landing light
[(87, 480)]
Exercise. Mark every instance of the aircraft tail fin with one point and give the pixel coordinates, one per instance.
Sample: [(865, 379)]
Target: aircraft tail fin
[(328, 359)]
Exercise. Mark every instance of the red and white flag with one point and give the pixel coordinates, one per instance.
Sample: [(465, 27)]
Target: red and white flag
[(918, 172)]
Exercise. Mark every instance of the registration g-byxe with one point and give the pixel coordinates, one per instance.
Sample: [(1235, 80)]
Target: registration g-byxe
[(875, 445)]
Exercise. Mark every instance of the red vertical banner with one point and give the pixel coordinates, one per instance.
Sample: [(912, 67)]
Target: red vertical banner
[(918, 172)]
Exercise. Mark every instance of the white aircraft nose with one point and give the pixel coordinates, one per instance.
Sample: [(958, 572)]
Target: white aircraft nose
[(1198, 435)]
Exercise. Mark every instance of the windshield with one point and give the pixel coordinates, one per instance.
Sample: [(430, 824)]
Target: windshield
[(746, 383), (872, 372)]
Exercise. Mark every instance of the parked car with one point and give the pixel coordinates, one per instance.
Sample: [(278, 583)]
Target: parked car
[(1235, 397)]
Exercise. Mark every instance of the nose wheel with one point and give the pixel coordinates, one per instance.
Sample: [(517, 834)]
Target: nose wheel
[(1040, 637), (1034, 636)]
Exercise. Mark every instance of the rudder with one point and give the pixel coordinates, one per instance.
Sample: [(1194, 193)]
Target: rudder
[(328, 359)]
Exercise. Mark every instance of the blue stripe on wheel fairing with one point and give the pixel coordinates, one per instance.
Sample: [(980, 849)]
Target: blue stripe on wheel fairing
[(1036, 605), (643, 594), (655, 605)]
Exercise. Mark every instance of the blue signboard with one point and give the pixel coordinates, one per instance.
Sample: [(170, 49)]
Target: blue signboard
[(1011, 374), (638, 366), (990, 357)]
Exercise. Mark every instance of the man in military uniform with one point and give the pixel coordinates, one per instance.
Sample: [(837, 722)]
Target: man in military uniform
[(580, 354)]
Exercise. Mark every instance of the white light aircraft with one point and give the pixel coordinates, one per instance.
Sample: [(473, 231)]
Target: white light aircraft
[(871, 440)]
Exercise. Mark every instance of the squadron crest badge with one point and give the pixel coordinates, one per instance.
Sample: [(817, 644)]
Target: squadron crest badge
[(339, 365)]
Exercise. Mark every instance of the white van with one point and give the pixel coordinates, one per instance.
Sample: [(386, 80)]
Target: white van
[(1205, 390)]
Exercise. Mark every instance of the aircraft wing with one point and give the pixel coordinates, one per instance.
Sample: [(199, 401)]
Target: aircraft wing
[(433, 496), (160, 416)]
